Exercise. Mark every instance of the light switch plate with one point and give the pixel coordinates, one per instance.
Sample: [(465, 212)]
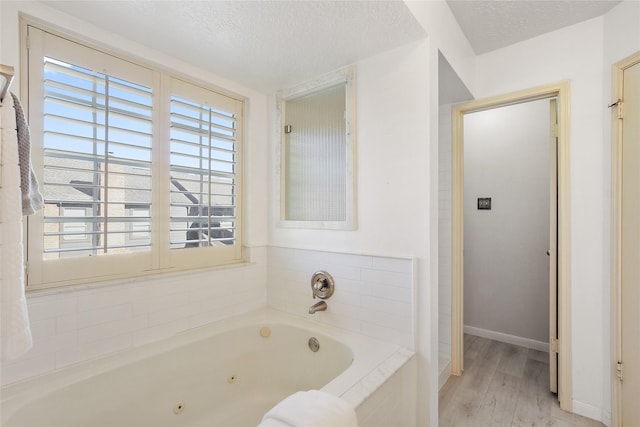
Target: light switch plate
[(484, 203)]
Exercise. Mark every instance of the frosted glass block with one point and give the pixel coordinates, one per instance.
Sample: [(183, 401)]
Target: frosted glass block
[(316, 156)]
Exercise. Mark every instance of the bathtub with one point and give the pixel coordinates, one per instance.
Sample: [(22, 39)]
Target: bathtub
[(225, 374)]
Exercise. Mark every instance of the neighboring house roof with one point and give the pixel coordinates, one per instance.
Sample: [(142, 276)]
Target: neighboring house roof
[(70, 182)]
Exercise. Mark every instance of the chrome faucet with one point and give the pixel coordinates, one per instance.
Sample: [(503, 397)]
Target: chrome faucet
[(319, 306)]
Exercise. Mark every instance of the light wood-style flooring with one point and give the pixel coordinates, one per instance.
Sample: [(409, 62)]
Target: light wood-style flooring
[(503, 385)]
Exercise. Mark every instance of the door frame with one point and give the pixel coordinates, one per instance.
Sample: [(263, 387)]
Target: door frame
[(617, 78), (560, 91)]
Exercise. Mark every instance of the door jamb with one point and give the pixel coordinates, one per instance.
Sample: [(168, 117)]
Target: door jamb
[(617, 77), (561, 91)]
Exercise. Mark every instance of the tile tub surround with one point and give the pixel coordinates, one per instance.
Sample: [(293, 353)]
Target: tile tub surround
[(393, 403), (373, 295), (79, 323), (380, 371)]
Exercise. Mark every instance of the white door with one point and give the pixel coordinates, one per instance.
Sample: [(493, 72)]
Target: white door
[(630, 248)]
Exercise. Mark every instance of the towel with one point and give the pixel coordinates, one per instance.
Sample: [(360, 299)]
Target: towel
[(32, 200), (311, 408), (15, 333)]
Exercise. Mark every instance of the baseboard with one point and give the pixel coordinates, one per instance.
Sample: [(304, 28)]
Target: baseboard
[(510, 339), (587, 410), (444, 375)]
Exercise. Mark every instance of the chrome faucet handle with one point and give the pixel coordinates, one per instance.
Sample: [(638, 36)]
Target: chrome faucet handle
[(319, 286), (322, 285)]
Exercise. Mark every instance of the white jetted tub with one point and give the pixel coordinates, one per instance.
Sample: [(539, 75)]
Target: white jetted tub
[(227, 374)]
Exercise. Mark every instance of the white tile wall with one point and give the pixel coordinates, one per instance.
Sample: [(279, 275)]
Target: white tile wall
[(82, 323), (393, 404), (373, 296)]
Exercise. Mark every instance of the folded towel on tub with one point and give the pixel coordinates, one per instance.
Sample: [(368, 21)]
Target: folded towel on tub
[(311, 408)]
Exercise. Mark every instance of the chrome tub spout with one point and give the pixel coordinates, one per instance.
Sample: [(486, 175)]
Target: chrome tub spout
[(319, 306)]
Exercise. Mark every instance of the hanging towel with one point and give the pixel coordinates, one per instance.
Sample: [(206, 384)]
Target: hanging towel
[(15, 334), (313, 408), (32, 200)]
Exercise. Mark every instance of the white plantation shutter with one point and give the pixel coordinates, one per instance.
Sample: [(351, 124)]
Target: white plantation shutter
[(97, 157), (205, 133), (202, 174)]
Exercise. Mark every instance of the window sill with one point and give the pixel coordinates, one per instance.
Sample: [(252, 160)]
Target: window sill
[(107, 282)]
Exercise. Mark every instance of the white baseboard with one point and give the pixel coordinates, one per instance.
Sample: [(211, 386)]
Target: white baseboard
[(587, 410), (510, 339), (444, 375)]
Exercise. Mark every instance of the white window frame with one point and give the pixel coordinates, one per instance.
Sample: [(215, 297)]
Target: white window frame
[(43, 273)]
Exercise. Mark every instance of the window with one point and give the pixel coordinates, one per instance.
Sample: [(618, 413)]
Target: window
[(139, 229), (318, 153), (140, 170), (75, 233)]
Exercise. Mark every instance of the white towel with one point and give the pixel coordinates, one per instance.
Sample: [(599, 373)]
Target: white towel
[(311, 408), (15, 333), (32, 200)]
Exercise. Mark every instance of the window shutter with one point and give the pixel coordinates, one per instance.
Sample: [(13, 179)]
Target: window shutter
[(203, 174), (97, 162)]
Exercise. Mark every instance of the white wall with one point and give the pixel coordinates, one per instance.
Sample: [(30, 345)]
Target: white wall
[(506, 269), (574, 54), (621, 39), (84, 322), (621, 34), (446, 37)]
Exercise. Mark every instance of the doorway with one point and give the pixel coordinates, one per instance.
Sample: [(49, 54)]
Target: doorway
[(625, 250), (562, 341)]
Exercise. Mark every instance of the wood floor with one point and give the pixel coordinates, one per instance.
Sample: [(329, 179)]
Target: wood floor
[(503, 385)]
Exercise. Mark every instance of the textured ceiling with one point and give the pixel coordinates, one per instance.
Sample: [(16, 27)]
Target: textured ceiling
[(493, 24), (273, 44), (267, 45)]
